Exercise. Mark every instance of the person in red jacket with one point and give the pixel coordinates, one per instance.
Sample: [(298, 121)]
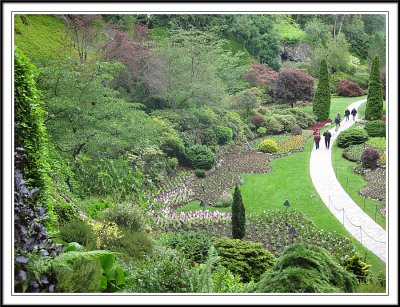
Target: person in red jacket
[(317, 138)]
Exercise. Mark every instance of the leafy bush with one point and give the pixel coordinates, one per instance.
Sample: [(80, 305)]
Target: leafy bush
[(376, 128), (96, 207), (225, 200), (93, 271), (223, 134), (126, 215), (200, 173), (273, 126), (257, 120), (303, 119), (268, 146), (347, 88), (370, 157), (78, 231), (200, 156), (132, 244), (173, 147), (262, 130), (106, 234), (353, 152), (164, 271), (288, 121), (296, 130), (354, 265), (352, 136), (306, 268), (377, 142), (246, 259), (193, 244), (262, 111)]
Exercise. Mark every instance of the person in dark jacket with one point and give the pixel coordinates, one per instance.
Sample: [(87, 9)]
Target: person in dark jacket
[(354, 113), (347, 114), (317, 138), (327, 135)]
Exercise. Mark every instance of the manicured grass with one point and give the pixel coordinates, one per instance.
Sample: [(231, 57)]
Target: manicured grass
[(361, 110), (340, 104), (353, 183)]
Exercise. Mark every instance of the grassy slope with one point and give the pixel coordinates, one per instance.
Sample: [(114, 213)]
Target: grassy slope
[(43, 38)]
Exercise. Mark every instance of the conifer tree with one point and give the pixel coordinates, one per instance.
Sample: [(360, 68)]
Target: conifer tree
[(374, 108), (322, 98), (238, 215)]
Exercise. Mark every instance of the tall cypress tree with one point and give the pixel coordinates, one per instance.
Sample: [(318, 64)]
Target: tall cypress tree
[(374, 108), (238, 216), (322, 97)]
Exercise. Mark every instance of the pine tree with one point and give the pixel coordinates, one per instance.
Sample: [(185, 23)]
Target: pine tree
[(238, 216), (322, 98), (374, 107)]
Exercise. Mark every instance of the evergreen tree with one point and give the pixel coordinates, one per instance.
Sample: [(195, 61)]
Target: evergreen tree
[(238, 215), (374, 107), (322, 98)]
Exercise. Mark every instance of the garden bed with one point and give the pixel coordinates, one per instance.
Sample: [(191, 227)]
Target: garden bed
[(376, 188)]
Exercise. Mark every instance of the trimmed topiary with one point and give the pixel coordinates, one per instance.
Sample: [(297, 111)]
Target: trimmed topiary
[(374, 108), (238, 215), (352, 137), (376, 128), (268, 146), (200, 156), (322, 98)]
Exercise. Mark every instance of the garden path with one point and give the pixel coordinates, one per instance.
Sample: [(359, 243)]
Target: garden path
[(354, 219)]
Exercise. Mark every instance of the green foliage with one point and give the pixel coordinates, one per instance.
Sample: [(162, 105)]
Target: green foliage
[(74, 247), (377, 142), (95, 207), (93, 271), (306, 268), (238, 215), (374, 108), (224, 134), (247, 259), (376, 128), (126, 215), (164, 271), (286, 120), (78, 231), (200, 156), (359, 268), (272, 125), (232, 120), (302, 118), (247, 99), (269, 146), (193, 244), (262, 130), (289, 31), (352, 136), (226, 200), (224, 281), (200, 173), (353, 152), (322, 98), (173, 147)]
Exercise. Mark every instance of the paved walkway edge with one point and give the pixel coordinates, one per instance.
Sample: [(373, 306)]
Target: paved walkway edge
[(363, 228)]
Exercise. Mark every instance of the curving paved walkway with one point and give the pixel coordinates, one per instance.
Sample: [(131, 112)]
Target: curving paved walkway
[(358, 223)]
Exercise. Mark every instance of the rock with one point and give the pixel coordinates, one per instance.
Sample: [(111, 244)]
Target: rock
[(300, 53)]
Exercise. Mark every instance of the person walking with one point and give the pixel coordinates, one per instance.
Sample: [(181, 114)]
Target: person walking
[(317, 138), (337, 122), (347, 114), (354, 113), (327, 135)]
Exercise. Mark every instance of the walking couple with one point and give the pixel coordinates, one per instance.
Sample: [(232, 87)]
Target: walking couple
[(317, 137)]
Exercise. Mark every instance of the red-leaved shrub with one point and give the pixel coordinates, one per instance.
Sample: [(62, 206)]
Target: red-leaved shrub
[(257, 120), (262, 75), (348, 88), (369, 157)]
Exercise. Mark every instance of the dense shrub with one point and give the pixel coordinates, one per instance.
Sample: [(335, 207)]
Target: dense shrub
[(262, 130), (200, 156), (376, 128), (354, 265), (247, 259), (273, 126), (126, 215), (223, 134), (370, 157), (296, 130), (163, 271), (78, 231), (173, 147), (353, 152), (238, 215), (88, 272), (200, 173), (132, 244), (193, 244), (268, 146), (232, 120), (293, 85), (95, 207), (347, 88), (107, 234), (352, 136), (303, 119), (305, 268), (257, 120), (261, 75), (287, 121), (383, 78)]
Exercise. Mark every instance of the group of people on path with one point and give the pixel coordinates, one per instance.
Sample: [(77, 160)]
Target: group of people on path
[(327, 135)]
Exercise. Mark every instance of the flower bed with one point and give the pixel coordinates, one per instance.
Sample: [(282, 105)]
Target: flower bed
[(287, 142), (319, 125)]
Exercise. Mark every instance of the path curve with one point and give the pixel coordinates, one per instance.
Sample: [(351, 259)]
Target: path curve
[(370, 234)]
